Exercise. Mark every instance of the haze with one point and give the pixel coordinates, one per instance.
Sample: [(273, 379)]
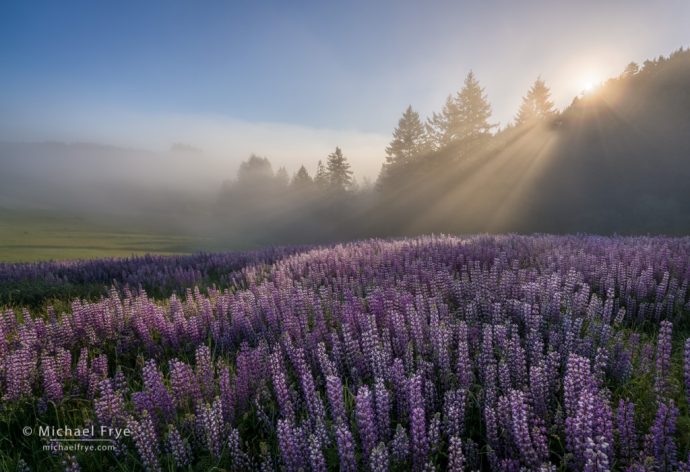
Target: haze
[(142, 115)]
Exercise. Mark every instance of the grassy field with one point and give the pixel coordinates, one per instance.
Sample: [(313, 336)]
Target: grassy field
[(34, 236)]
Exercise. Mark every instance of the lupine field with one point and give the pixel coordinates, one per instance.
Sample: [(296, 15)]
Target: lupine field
[(507, 353)]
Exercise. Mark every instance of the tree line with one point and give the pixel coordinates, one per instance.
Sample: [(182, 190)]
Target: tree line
[(457, 171)]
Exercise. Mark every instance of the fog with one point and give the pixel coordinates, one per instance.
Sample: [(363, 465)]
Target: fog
[(617, 160)]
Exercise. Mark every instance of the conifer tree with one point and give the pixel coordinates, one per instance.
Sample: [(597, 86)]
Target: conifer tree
[(536, 105), (302, 179), (473, 111), (321, 177), (464, 117), (408, 139), (339, 173), (439, 126)]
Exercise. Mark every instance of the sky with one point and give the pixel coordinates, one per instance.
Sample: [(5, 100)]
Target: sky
[(291, 80)]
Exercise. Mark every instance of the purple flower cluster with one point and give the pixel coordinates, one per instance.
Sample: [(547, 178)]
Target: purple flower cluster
[(445, 353)]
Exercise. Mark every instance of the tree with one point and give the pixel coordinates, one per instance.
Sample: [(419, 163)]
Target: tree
[(255, 170), (631, 70), (464, 117), (440, 126), (536, 105), (302, 179), (339, 173), (473, 111), (282, 178), (408, 139), (321, 178)]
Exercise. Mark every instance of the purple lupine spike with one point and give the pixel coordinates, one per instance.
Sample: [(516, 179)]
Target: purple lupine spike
[(520, 428), (418, 437), (400, 445), (491, 427), (156, 391), (659, 442), (366, 419), (686, 365), (378, 460), (334, 391), (51, 385), (346, 449), (538, 391), (178, 448), (19, 372), (434, 432), (383, 409), (280, 387), (463, 364), (185, 387), (210, 418), (109, 406), (626, 431), (83, 368), (399, 383), (456, 459), (289, 446), (596, 458), (227, 395), (316, 460), (663, 358), (146, 441), (238, 458), (205, 371), (454, 412)]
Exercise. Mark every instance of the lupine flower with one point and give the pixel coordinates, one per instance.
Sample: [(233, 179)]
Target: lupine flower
[(334, 389), (406, 324), (659, 442), (205, 371), (109, 406), (185, 386), (383, 409), (238, 458), (378, 461), (686, 364), (366, 420), (663, 358), (456, 459), (210, 419), (146, 441), (178, 448), (316, 460), (290, 447), (346, 449), (627, 433), (156, 391)]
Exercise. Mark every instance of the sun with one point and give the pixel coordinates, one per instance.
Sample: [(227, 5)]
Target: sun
[(589, 84)]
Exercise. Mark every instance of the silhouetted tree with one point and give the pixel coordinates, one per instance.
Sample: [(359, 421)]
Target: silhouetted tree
[(439, 128), (464, 117), (302, 179), (282, 178), (536, 105), (631, 70), (339, 173), (321, 178), (255, 170), (473, 111), (409, 141)]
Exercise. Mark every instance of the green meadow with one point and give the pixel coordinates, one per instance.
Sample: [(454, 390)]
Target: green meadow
[(37, 235)]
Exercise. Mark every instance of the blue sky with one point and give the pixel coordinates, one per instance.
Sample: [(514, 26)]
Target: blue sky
[(103, 70)]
